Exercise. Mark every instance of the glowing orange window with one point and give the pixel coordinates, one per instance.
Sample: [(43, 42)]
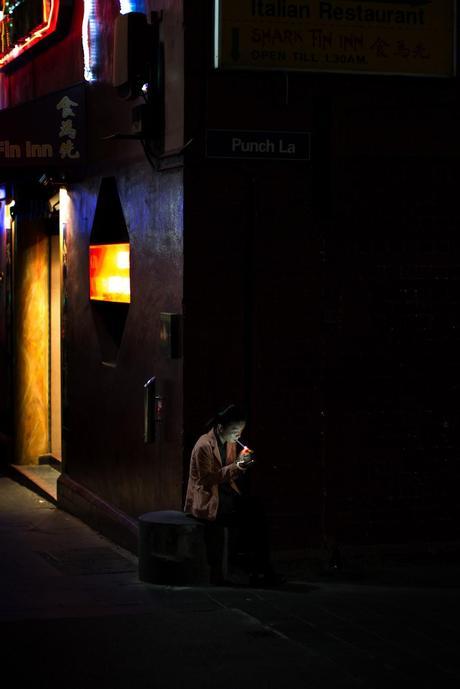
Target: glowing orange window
[(109, 278)]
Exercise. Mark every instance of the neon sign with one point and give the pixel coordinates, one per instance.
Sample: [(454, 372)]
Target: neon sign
[(24, 24)]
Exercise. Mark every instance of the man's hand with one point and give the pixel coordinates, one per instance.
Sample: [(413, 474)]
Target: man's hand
[(245, 459)]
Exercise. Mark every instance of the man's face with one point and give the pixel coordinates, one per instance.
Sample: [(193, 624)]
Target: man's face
[(232, 432)]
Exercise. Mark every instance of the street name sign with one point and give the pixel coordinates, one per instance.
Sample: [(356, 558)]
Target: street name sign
[(409, 37), (262, 145)]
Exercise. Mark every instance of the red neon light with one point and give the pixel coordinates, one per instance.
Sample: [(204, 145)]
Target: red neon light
[(37, 34)]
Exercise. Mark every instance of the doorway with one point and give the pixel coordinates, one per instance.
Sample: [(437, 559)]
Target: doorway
[(55, 305), (37, 295)]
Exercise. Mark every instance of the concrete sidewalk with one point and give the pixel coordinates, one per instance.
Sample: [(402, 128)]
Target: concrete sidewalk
[(73, 613)]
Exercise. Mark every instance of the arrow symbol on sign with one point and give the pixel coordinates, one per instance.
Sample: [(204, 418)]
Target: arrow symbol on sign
[(235, 44)]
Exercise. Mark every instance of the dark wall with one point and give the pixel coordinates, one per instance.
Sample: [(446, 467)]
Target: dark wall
[(324, 295), (391, 264), (105, 370), (104, 417)]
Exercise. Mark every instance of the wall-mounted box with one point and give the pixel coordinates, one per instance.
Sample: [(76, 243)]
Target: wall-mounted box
[(171, 334)]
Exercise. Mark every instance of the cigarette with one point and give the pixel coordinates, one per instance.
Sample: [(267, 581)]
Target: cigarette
[(245, 447)]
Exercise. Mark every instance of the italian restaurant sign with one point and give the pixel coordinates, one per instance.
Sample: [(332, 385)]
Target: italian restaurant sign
[(47, 133), (409, 37)]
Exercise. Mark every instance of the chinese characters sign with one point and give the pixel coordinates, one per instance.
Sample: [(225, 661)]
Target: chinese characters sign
[(67, 131), (23, 24), (47, 133), (409, 37)]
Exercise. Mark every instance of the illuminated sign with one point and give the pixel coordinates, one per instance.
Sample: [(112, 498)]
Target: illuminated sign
[(48, 134), (26, 23), (406, 37), (109, 278)]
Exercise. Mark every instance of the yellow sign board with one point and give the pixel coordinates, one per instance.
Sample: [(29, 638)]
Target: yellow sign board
[(409, 37)]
